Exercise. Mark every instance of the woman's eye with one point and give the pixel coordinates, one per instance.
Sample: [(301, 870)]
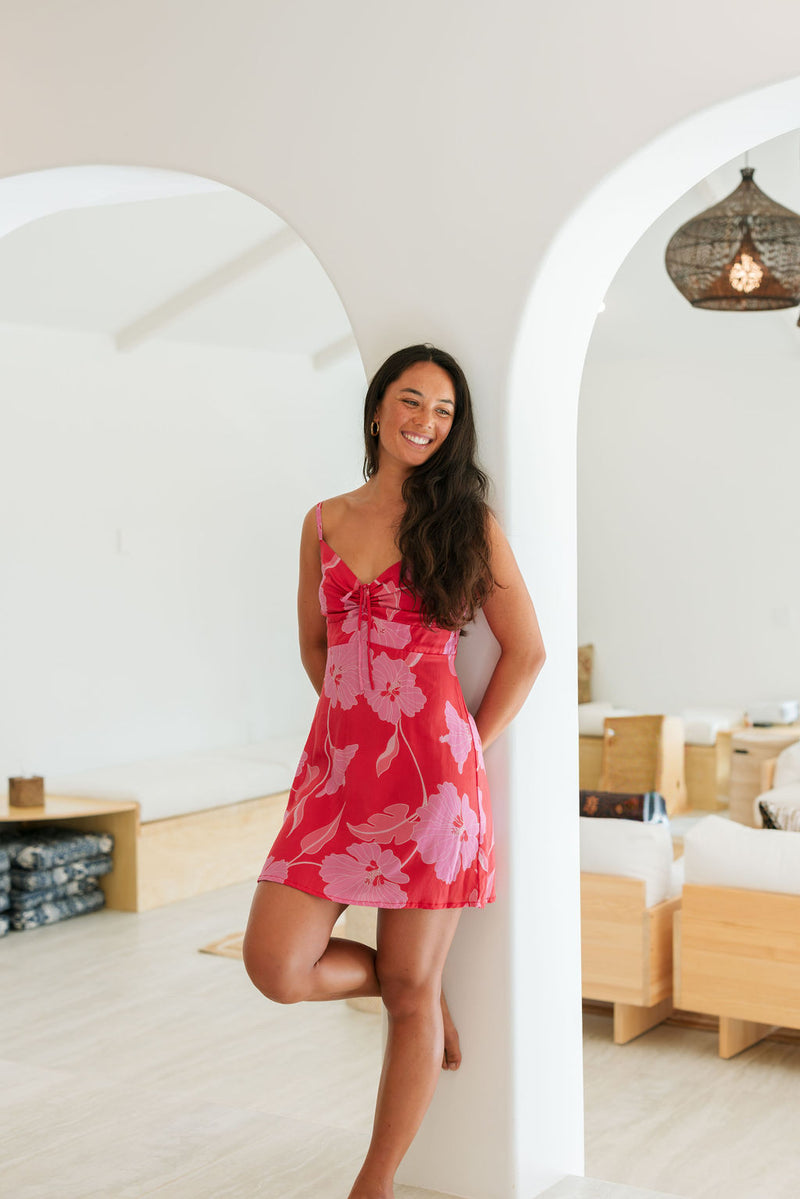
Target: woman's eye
[(413, 403)]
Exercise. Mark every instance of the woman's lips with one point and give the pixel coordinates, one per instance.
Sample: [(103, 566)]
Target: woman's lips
[(418, 439)]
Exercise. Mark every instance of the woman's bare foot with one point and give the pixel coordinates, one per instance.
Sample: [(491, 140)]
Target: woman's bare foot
[(452, 1047)]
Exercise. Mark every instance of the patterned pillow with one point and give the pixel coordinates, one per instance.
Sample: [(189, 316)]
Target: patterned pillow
[(60, 909), (780, 816), (23, 901), (47, 847), (57, 876), (648, 806)]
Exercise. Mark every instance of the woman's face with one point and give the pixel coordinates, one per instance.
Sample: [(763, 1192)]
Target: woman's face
[(415, 414)]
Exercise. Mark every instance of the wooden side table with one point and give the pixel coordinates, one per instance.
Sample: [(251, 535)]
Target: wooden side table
[(119, 818), (749, 748)]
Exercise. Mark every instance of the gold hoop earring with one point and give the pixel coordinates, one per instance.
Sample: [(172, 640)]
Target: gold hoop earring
[(374, 428)]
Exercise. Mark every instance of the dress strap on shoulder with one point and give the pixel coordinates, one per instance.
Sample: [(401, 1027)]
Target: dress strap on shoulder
[(319, 520)]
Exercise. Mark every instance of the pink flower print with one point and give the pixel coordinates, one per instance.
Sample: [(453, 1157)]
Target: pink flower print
[(476, 738), (301, 764), (341, 760), (447, 832), (458, 736), (323, 603), (365, 874), (450, 647), (394, 691), (341, 675), (392, 633), (274, 871)]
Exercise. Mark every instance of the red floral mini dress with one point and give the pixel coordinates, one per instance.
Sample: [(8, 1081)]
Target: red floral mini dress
[(389, 807)]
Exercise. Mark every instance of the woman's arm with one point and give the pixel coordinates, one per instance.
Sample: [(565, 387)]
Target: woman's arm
[(512, 619), (310, 621)]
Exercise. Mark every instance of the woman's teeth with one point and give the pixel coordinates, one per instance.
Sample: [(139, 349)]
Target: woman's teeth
[(416, 440)]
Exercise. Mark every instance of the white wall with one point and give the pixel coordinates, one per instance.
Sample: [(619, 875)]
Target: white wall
[(687, 482), (152, 505)]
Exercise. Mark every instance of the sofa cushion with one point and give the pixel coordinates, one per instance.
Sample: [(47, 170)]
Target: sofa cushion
[(721, 853), (191, 782), (592, 715), (701, 725), (631, 849), (787, 766)]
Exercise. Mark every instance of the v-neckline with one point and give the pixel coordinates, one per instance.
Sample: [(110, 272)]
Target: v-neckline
[(361, 582)]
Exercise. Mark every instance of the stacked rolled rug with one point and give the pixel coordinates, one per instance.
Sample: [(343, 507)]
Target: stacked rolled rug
[(54, 874), (5, 888)]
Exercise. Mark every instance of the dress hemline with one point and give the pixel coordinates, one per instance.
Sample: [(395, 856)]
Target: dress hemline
[(392, 907)]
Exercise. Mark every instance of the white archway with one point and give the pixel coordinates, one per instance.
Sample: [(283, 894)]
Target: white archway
[(546, 1067)]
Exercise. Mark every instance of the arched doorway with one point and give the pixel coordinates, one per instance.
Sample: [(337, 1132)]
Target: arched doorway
[(541, 501)]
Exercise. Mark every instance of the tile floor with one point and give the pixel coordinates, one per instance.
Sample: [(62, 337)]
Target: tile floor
[(165, 1074)]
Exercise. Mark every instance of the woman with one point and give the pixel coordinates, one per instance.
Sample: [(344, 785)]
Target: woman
[(390, 806)]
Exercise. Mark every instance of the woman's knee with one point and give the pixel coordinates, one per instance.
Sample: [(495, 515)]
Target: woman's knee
[(406, 994), (274, 976)]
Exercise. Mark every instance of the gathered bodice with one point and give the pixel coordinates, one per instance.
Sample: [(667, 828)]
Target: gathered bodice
[(383, 614)]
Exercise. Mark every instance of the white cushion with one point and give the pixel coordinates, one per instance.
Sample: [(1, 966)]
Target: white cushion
[(190, 782), (721, 853), (592, 715), (632, 849), (701, 725), (787, 765)]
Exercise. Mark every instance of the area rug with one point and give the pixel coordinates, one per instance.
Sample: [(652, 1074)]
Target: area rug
[(226, 947)]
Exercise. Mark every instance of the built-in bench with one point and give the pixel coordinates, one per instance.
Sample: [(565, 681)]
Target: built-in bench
[(205, 819)]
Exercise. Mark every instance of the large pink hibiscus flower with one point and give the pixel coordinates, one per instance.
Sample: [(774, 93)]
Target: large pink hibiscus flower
[(459, 736), (366, 874), (341, 760), (394, 691), (447, 832), (274, 871), (341, 674)]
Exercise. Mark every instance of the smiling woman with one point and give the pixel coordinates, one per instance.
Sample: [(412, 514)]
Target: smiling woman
[(390, 803)]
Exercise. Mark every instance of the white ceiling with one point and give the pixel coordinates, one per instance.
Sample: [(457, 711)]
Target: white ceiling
[(212, 267), (645, 314)]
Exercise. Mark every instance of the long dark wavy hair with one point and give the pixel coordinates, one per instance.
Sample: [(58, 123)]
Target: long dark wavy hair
[(443, 536)]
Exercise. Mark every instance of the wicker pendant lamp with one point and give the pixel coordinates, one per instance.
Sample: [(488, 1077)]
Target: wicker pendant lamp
[(741, 255)]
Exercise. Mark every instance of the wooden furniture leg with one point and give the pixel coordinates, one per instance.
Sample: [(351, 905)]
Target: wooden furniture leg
[(631, 1021), (736, 1035)]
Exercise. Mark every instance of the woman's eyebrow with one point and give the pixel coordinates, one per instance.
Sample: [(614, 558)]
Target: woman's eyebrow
[(413, 390)]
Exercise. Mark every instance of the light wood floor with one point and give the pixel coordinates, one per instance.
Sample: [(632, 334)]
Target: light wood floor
[(132, 1065)]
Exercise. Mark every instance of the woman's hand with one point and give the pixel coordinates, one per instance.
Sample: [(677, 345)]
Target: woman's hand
[(511, 617), (310, 621)]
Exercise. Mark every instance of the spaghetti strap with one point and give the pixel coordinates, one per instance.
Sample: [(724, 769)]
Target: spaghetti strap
[(319, 521)]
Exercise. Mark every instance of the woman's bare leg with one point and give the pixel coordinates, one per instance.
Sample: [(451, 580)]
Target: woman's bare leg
[(412, 948), (289, 952)]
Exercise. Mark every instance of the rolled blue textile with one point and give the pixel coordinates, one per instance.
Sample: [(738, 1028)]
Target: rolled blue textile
[(56, 876), (49, 846), (5, 901), (5, 861), (60, 909), (24, 901), (5, 881), (5, 924)]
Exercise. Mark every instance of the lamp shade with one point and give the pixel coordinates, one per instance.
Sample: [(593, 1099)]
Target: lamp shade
[(741, 255)]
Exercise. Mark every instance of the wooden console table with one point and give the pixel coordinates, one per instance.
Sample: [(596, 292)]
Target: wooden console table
[(119, 818)]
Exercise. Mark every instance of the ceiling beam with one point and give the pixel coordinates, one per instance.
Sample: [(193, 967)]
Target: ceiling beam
[(162, 315)]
